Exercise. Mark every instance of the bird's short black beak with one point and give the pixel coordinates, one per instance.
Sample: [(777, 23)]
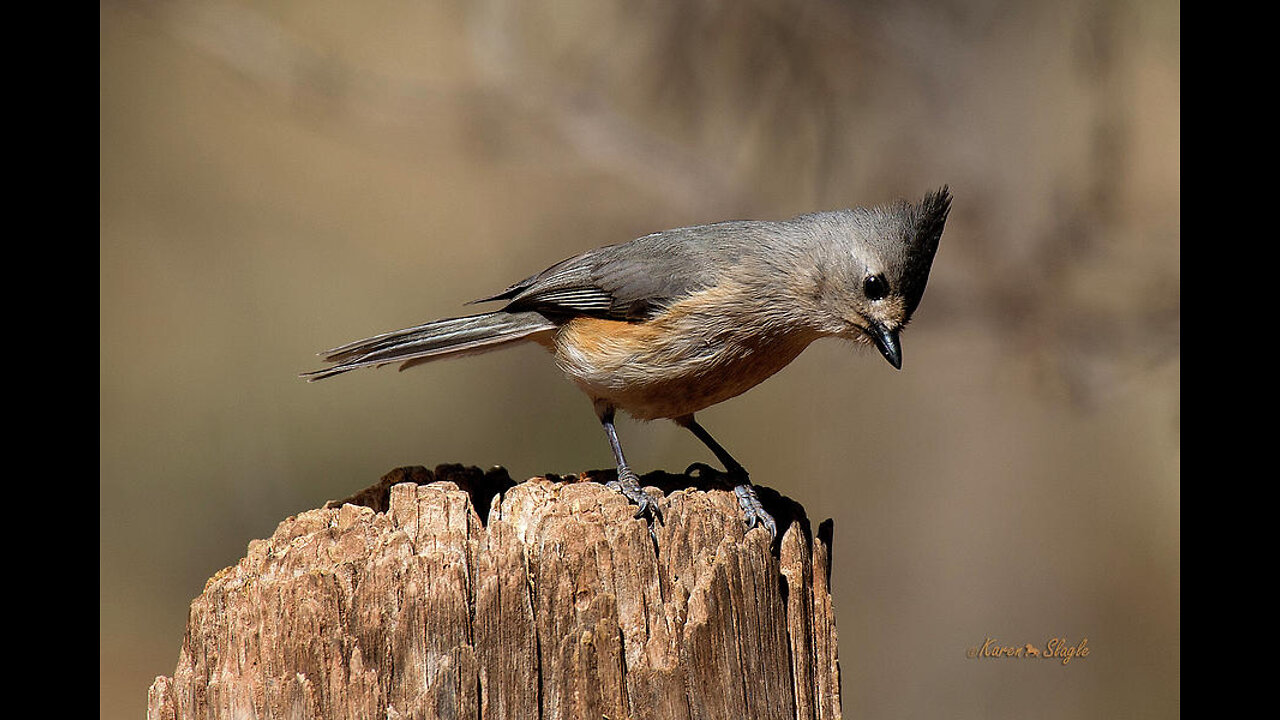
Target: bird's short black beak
[(887, 341)]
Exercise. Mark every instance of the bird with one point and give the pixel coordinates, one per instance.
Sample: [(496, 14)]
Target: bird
[(669, 324)]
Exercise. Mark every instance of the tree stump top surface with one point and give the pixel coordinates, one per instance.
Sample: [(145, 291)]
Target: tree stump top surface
[(459, 593)]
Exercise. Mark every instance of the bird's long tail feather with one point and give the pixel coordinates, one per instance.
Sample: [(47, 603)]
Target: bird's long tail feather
[(435, 340)]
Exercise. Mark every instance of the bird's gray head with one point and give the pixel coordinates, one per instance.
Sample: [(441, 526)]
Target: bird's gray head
[(883, 256)]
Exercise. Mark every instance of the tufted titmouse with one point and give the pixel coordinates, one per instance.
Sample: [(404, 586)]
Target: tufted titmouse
[(671, 323)]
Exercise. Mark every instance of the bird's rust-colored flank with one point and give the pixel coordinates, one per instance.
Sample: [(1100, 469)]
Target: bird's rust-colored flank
[(700, 351)]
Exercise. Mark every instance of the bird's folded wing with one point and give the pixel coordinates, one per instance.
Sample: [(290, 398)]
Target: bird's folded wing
[(636, 279)]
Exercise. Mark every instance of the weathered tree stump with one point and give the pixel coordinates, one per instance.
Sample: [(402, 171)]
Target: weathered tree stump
[(461, 594)]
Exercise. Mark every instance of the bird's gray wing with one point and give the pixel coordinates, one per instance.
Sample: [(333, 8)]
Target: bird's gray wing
[(632, 280)]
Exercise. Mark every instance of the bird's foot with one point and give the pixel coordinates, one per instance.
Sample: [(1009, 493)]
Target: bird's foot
[(628, 483), (753, 512)]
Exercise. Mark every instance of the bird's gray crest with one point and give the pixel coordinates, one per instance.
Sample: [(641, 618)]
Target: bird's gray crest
[(925, 223)]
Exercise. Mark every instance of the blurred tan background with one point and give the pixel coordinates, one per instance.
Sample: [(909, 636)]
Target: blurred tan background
[(281, 177)]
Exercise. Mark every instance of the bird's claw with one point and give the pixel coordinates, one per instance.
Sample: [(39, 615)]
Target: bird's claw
[(628, 483), (753, 513)]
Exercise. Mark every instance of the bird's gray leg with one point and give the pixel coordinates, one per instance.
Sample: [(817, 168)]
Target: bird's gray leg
[(628, 483), (752, 511)]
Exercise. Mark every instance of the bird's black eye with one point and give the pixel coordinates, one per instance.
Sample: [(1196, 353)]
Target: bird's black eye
[(875, 287)]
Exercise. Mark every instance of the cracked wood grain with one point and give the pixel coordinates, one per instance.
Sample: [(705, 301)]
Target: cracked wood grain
[(460, 594)]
